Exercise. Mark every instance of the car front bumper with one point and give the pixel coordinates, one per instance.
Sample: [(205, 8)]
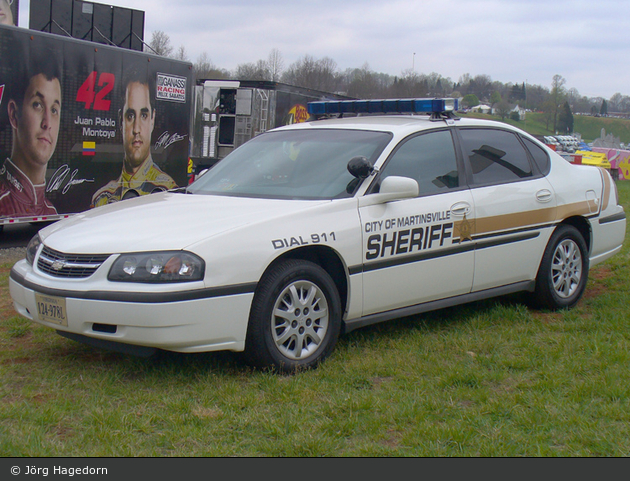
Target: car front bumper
[(214, 323)]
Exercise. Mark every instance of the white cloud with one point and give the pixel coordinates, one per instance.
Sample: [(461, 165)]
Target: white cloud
[(511, 41)]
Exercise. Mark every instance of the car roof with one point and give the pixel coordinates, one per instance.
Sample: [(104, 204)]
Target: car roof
[(396, 124)]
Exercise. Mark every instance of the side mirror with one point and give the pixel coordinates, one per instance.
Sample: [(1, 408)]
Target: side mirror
[(360, 167), (392, 188)]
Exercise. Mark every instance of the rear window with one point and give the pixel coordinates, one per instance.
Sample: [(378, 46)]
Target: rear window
[(541, 159), (495, 156)]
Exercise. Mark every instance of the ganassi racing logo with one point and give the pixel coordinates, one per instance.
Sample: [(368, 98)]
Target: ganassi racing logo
[(1, 92), (171, 87)]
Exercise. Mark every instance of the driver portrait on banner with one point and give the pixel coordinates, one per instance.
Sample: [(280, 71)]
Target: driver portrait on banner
[(140, 175), (6, 13), (33, 107)]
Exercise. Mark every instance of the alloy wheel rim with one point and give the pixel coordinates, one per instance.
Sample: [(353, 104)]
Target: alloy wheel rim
[(300, 320), (566, 268)]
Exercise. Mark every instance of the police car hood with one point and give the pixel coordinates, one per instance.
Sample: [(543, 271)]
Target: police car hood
[(164, 221)]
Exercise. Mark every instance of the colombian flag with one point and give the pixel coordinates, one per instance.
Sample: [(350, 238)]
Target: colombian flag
[(89, 148)]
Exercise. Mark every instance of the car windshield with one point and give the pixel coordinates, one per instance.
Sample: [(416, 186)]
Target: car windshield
[(293, 164)]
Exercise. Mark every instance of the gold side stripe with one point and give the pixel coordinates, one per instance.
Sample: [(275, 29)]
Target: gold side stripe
[(515, 221), (607, 190), (466, 228), (587, 207)]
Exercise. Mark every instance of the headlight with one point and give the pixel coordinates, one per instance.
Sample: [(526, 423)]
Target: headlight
[(170, 266), (31, 249)]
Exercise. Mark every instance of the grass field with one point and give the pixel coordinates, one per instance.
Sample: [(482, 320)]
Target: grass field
[(492, 378), (589, 127)]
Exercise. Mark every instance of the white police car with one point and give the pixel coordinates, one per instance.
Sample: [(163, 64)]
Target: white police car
[(315, 229)]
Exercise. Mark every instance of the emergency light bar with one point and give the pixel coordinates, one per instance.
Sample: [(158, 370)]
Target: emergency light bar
[(386, 106)]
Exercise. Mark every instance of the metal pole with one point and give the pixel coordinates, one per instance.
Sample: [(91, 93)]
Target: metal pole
[(525, 105)]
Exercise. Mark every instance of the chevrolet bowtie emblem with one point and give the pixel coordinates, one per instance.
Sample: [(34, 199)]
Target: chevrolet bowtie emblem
[(58, 265)]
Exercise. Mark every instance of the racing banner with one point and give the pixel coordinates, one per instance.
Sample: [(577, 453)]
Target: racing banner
[(84, 124)]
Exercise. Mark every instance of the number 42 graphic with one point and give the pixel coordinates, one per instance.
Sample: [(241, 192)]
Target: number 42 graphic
[(93, 94)]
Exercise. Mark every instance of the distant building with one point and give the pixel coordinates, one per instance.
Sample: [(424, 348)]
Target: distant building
[(520, 110), (482, 108)]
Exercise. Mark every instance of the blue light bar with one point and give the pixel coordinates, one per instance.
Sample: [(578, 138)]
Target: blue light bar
[(385, 106)]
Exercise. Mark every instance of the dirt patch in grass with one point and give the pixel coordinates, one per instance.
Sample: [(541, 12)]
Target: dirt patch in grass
[(596, 287), (64, 433), (207, 413), (6, 303), (601, 272), (393, 439), (547, 317), (16, 360), (377, 382), (23, 343)]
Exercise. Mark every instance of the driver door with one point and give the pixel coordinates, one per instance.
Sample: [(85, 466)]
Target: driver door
[(418, 250)]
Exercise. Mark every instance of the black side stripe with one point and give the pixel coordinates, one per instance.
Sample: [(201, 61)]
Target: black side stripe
[(535, 230), (423, 256), (498, 242), (456, 249), (140, 297), (613, 218)]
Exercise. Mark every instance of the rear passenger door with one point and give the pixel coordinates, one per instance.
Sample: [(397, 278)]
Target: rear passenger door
[(515, 205)]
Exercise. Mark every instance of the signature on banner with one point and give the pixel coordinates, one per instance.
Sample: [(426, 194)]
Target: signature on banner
[(63, 176), (166, 140)]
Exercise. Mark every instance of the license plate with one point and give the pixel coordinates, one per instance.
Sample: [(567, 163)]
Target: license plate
[(51, 309)]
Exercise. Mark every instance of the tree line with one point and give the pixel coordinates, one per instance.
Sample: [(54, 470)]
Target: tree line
[(557, 102)]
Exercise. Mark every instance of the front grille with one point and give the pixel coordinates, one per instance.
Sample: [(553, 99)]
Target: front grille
[(77, 266)]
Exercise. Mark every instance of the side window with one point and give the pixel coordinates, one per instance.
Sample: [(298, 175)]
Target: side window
[(495, 156), (539, 155), (428, 158)]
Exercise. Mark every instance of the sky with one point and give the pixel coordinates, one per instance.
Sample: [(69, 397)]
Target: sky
[(586, 42)]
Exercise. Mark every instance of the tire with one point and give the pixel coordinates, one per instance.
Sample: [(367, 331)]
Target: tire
[(295, 318), (563, 271)]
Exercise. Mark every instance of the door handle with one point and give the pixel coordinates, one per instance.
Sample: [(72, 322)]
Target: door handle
[(460, 209), (544, 195)]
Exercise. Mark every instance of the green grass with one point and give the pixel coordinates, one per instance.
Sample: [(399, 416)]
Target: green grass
[(492, 378), (589, 127)]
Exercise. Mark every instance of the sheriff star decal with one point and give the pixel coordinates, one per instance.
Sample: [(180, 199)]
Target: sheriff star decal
[(464, 229)]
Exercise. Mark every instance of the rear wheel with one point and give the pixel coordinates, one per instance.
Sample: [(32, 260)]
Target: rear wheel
[(295, 318), (563, 271)]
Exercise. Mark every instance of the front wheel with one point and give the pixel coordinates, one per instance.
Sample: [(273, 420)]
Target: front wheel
[(295, 317), (563, 271)]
